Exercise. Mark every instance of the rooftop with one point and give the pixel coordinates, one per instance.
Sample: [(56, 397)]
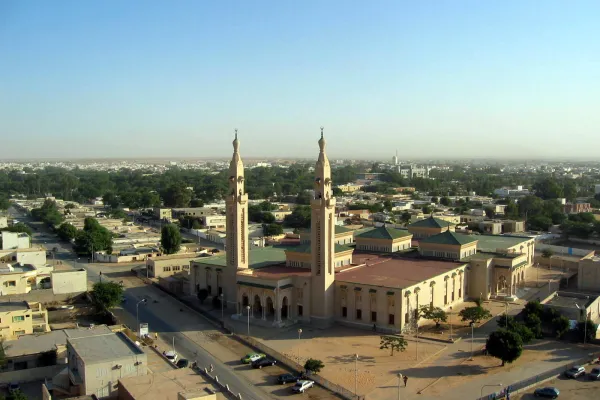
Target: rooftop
[(495, 242), (339, 230), (306, 248), (43, 342), (431, 222), (166, 385), (103, 347), (566, 300), (14, 268), (8, 306), (259, 258), (394, 272), (276, 272), (450, 238), (384, 232)]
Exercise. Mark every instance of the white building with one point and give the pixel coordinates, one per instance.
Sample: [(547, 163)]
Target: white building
[(15, 240), (519, 191)]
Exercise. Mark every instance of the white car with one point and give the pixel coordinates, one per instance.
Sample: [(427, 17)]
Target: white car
[(171, 356), (301, 386)]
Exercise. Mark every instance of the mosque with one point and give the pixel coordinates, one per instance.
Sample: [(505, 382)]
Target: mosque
[(381, 278)]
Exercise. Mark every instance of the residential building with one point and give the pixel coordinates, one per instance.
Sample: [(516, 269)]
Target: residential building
[(96, 363), (69, 281), (588, 276), (519, 191), (3, 222), (576, 208), (512, 226), (168, 265), (14, 240), (280, 214), (22, 318), (163, 213), (16, 278), (214, 221), (349, 188), (576, 306), (33, 256), (413, 171), (191, 212), (342, 234)]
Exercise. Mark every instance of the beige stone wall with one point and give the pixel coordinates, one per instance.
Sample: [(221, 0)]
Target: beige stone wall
[(589, 274), (383, 245), (22, 322), (366, 305), (158, 268), (344, 238), (447, 251)]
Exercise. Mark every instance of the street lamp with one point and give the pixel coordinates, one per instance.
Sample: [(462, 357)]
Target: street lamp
[(451, 338), (584, 321), (299, 333), (137, 312), (222, 297), (248, 309), (399, 383), (472, 338), (506, 312), (495, 385), (356, 375)]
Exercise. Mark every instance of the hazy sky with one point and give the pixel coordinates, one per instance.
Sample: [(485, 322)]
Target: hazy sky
[(435, 78)]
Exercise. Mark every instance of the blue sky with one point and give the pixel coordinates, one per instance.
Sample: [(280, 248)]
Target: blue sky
[(443, 78)]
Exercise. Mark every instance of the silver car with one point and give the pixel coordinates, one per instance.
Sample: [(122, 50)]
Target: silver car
[(301, 386), (575, 372)]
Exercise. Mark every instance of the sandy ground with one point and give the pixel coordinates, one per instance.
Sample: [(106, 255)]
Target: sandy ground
[(337, 347)]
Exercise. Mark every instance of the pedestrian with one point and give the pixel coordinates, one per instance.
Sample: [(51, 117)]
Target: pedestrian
[(374, 327), (155, 335), (405, 380)]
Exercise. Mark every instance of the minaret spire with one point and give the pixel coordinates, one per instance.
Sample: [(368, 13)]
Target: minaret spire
[(237, 212)]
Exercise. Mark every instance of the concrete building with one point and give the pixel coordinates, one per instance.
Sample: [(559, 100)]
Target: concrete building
[(16, 278), (163, 213), (576, 306), (164, 266), (22, 318), (191, 212), (3, 222), (15, 240), (518, 191), (33, 256), (214, 221), (413, 171), (179, 384), (588, 276), (96, 363), (342, 235), (321, 282), (349, 188), (69, 281), (576, 208)]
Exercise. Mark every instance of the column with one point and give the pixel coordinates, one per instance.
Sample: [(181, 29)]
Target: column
[(264, 308)]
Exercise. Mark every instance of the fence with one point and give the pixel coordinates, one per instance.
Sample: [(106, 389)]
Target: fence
[(534, 380), (291, 364)]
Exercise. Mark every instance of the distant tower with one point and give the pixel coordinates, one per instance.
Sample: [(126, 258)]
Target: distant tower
[(237, 213), (322, 242), (395, 159)]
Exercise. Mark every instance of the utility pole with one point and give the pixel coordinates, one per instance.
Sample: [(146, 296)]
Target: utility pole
[(399, 383)]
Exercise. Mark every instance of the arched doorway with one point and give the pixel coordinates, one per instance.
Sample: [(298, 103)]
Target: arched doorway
[(270, 308), (245, 300), (284, 308), (257, 307)]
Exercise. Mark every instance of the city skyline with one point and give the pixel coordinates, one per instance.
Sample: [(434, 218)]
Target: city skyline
[(508, 80)]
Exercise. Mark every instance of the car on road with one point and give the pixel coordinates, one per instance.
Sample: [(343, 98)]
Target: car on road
[(251, 357), (183, 363), (13, 387), (575, 372), (263, 362), (301, 386), (550, 392), (287, 378), (594, 374), (171, 356)]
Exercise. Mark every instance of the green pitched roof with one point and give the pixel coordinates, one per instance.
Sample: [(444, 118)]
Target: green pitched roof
[(451, 238), (431, 222), (305, 248), (384, 232)]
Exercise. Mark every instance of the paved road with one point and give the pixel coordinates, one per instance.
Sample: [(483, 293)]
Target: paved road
[(570, 389)]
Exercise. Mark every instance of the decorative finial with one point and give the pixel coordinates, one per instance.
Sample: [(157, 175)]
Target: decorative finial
[(322, 132), (322, 141), (236, 142), (236, 133)]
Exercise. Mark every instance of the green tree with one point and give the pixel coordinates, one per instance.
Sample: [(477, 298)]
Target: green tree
[(149, 199), (396, 342), (177, 196), (588, 332), (547, 253), (107, 295), (337, 192), (504, 345), (170, 238), (445, 201), (299, 218), (314, 366), (272, 229), (405, 217), (533, 307), (267, 206), (16, 395), (474, 314), (490, 212), (4, 203), (435, 314), (202, 295), (534, 323), (427, 209), (19, 228), (560, 325), (268, 217), (66, 231)]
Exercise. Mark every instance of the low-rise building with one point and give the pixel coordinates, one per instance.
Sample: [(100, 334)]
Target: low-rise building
[(343, 235), (349, 188), (33, 256), (96, 363), (162, 213), (214, 221), (164, 266), (191, 212), (3, 223), (16, 278), (429, 226), (588, 276), (69, 281), (22, 318), (384, 239), (14, 240), (576, 306), (576, 208)]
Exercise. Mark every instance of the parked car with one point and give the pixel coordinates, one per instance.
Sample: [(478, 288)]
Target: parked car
[(263, 362), (301, 386), (171, 356), (551, 392), (287, 378), (595, 374), (251, 357), (575, 372), (183, 363), (13, 387)]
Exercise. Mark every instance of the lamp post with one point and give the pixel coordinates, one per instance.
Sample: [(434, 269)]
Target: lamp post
[(299, 333), (222, 297), (495, 384), (356, 375), (584, 321), (137, 312), (549, 281), (248, 309), (472, 338), (451, 338), (506, 312), (399, 383)]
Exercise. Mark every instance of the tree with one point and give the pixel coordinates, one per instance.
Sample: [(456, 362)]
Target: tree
[(19, 228), (547, 253), (445, 201), (202, 295), (405, 217), (504, 345), (314, 366), (435, 314), (268, 217), (589, 331), (490, 212), (149, 199), (170, 238), (435, 200), (107, 295), (427, 210), (16, 395), (299, 218), (474, 314), (337, 192), (397, 343), (272, 229), (561, 326), (177, 195), (533, 307), (534, 323), (4, 203), (66, 231)]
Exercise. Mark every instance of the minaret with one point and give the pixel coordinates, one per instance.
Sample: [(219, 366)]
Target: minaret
[(322, 242), (237, 213)]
